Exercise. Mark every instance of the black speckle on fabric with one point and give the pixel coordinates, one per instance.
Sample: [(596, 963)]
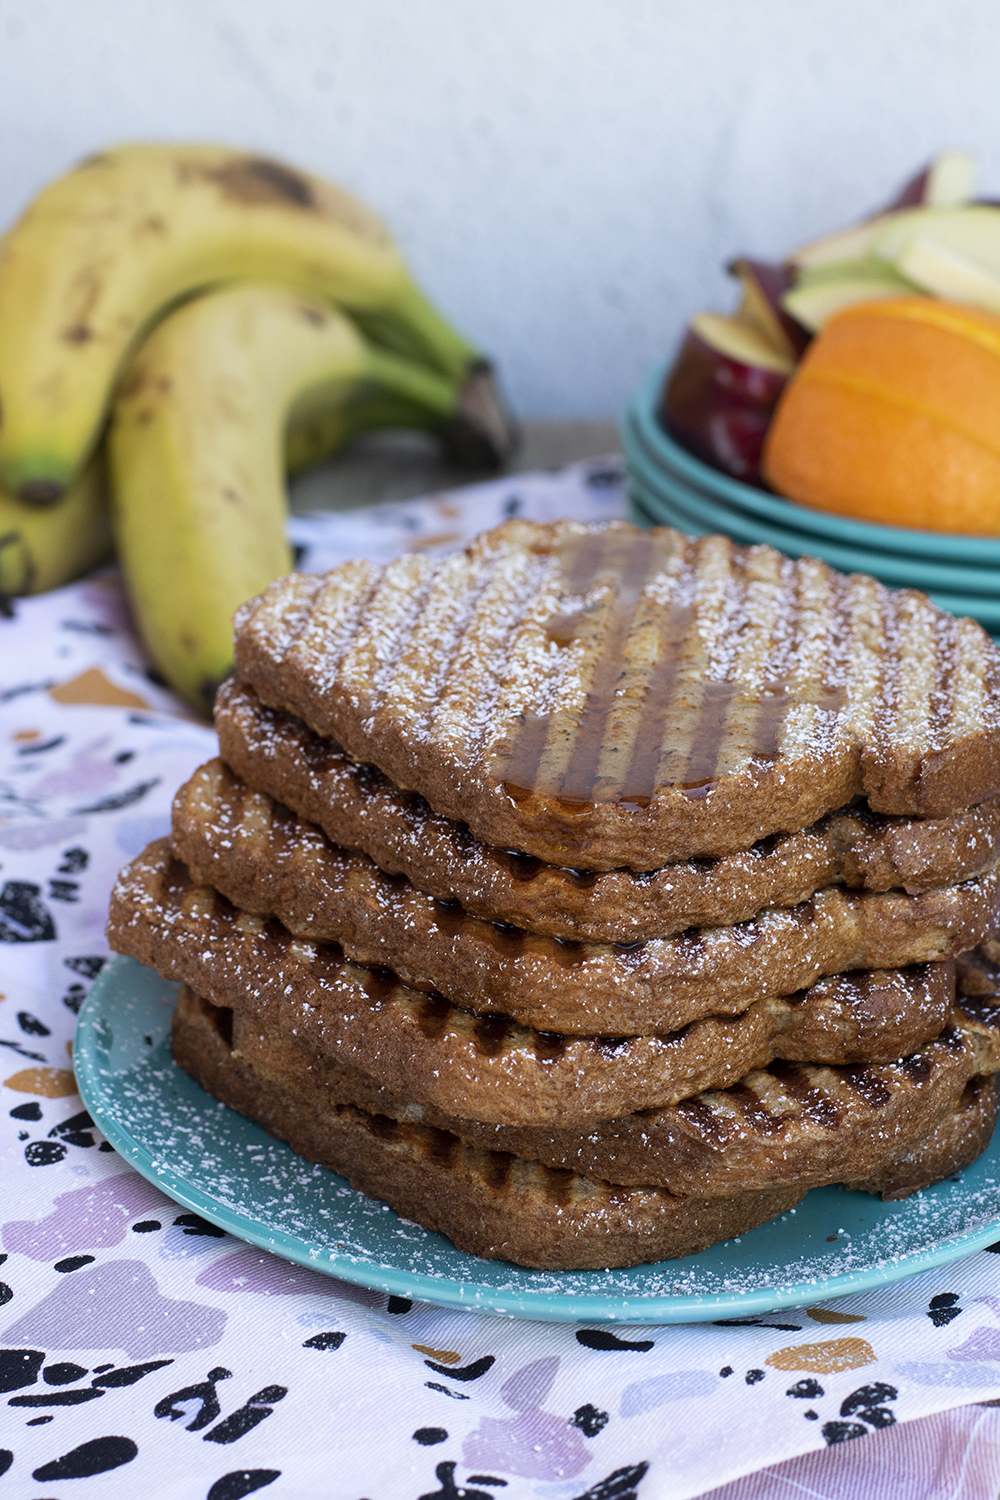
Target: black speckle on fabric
[(621, 1485), (19, 1367), (129, 1374), (123, 799), (867, 1402), (24, 917), (146, 1226), (603, 1338), (843, 1432), (806, 1390), (398, 1305), (247, 1417), (325, 1341), (464, 1372), (32, 1111), (752, 1376), (89, 966), (428, 1436), (195, 1224), (590, 1420), (62, 1374), (242, 1482), (95, 1457), (942, 1309), (73, 1262), (73, 861), (44, 1153), (432, 1385), (31, 1025)]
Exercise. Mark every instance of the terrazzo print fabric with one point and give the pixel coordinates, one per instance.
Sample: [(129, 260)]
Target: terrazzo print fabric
[(143, 1352)]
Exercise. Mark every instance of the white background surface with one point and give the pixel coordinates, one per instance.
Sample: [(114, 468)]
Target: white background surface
[(566, 176)]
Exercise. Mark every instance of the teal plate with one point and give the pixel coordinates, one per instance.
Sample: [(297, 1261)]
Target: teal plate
[(679, 469), (234, 1174)]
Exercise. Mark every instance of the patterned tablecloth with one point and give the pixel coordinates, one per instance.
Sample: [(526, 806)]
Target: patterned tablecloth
[(145, 1353)]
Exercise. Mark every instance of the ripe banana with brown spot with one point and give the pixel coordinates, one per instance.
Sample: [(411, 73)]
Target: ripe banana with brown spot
[(196, 451), (44, 547), (107, 249)]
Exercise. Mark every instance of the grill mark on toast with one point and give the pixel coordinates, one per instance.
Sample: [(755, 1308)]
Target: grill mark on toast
[(870, 851), (868, 1085), (815, 1101), (372, 1021), (757, 1114)]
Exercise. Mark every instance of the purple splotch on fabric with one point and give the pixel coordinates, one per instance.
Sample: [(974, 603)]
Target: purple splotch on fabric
[(83, 776), (678, 1385), (22, 838), (982, 1343), (535, 1445), (89, 1218), (117, 1305), (250, 1270), (528, 1387)]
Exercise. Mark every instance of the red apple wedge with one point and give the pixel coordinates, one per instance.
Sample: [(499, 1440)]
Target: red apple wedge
[(721, 391)]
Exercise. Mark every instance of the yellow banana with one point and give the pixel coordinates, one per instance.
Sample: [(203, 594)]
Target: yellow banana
[(106, 249), (43, 548), (196, 455)]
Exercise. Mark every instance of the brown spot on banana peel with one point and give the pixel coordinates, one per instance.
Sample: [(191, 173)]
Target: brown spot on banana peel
[(40, 491), (258, 179)]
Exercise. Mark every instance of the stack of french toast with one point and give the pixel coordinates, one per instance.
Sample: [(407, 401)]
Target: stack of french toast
[(593, 893)]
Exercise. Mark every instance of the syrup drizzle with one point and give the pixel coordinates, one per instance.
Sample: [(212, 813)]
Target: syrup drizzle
[(703, 727)]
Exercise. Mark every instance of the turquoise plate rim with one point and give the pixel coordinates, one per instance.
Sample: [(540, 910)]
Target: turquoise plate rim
[(897, 570), (701, 515), (126, 977), (870, 534)]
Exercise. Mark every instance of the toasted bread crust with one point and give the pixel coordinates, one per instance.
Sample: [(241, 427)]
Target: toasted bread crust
[(276, 866), (358, 808), (486, 1067), (784, 1125), (491, 1203), (604, 697)]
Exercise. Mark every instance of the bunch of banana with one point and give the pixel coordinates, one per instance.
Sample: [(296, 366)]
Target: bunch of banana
[(202, 285), (197, 463)]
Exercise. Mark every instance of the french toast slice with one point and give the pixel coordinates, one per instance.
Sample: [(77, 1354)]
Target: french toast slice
[(789, 1123), (486, 1067), (277, 866), (359, 808), (604, 697), (499, 1206)]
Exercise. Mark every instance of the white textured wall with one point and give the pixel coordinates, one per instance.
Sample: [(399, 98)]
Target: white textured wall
[(565, 175)]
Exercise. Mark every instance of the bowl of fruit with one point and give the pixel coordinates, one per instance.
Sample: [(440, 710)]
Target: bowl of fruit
[(850, 407)]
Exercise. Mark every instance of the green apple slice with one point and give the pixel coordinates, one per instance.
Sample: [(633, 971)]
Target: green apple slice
[(816, 300), (938, 269), (972, 232)]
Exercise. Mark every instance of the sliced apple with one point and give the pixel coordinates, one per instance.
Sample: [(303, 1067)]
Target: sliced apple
[(814, 300), (719, 396), (938, 269), (763, 285), (946, 182), (972, 232), (845, 244)]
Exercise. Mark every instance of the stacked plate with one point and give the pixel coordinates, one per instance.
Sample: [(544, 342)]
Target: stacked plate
[(669, 487)]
